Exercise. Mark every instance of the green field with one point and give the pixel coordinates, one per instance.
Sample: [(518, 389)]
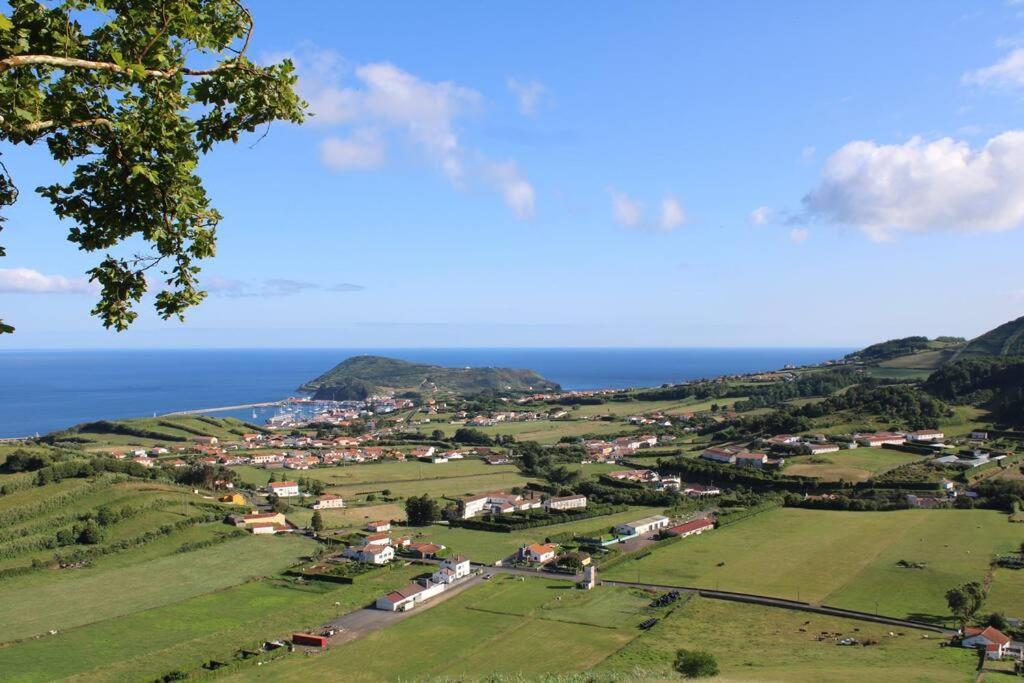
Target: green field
[(53, 599), (756, 643), (506, 626), (182, 636), (489, 546), (858, 464), (844, 559)]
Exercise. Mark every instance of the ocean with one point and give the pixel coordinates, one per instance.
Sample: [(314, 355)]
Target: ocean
[(41, 391)]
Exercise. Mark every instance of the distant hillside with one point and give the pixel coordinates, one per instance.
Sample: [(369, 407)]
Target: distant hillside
[(909, 353), (362, 376), (1005, 340), (171, 428)]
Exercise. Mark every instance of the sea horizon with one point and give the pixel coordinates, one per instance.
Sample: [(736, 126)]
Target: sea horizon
[(51, 389)]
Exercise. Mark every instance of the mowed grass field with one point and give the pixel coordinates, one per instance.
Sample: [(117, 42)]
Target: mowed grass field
[(56, 599), (756, 643), (858, 464), (402, 479), (843, 559), (146, 645), (507, 626), (489, 546)]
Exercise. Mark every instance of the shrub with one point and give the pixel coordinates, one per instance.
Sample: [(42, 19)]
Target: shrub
[(696, 663)]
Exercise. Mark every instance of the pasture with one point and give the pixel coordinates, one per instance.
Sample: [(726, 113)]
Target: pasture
[(858, 464), (843, 559), (782, 645), (147, 644), (480, 637)]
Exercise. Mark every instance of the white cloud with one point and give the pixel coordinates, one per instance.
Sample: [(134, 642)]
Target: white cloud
[(672, 214), (528, 95), (632, 213), (920, 186), (1007, 73), (362, 150), (382, 106), (517, 191), (799, 235), (762, 215), (628, 212), (28, 281)]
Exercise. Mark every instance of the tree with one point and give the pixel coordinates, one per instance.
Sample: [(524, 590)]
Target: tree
[(965, 601), (105, 84), (89, 533), (997, 620), (696, 663), (472, 436), (317, 523), (422, 510), (437, 435)]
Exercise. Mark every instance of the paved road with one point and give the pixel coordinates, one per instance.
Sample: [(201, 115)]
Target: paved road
[(791, 604), (367, 620)]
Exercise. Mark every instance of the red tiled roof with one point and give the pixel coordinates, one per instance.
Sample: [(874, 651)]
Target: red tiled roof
[(691, 526)]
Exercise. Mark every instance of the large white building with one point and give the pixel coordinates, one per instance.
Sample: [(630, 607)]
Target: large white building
[(452, 569), (566, 502), (496, 501), (643, 526)]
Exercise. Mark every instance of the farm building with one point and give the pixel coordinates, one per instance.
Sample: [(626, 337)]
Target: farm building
[(643, 526), (566, 502), (694, 528)]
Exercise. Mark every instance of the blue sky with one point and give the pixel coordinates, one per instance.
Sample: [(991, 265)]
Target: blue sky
[(599, 174)]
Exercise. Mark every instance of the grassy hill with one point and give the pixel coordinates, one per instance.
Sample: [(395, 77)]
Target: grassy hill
[(1005, 340), (362, 376), (147, 431)]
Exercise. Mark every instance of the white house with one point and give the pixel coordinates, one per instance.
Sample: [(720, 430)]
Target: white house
[(881, 439), (283, 489), (642, 526), (819, 448), (566, 502), (371, 554), (719, 455), (752, 459), (452, 569), (996, 643), (328, 501), (538, 552), (379, 525)]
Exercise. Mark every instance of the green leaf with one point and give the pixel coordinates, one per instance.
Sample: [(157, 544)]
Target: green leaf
[(5, 23), (118, 58)]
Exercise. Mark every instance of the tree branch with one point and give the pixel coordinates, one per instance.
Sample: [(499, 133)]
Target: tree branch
[(73, 63), (38, 126)]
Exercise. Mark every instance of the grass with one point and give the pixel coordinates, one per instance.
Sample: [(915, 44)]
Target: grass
[(348, 517), (489, 546), (184, 635), (756, 643), (858, 464), (55, 599), (459, 640), (171, 431), (844, 559)]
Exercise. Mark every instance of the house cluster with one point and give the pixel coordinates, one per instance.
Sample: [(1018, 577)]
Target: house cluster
[(611, 451), (650, 477), (451, 571), (740, 456), (799, 444), (261, 522), (500, 502)]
